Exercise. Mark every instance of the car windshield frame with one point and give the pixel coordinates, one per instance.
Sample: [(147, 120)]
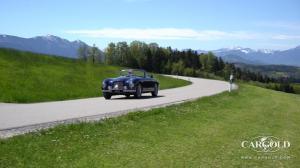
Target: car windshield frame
[(133, 72)]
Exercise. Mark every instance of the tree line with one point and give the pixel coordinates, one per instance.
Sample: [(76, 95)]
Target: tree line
[(153, 58)]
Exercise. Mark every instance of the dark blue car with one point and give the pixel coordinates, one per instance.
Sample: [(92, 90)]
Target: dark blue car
[(131, 82)]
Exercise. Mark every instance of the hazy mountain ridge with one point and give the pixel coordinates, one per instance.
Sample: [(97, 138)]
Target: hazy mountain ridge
[(48, 44), (259, 57)]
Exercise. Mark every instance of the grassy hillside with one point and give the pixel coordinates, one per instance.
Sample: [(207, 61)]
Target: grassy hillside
[(203, 133), (29, 77)]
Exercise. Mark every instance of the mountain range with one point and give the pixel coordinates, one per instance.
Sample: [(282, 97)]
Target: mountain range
[(54, 45), (259, 57), (48, 44)]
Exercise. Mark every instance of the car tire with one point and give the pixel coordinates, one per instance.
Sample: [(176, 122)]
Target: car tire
[(106, 95), (138, 91), (155, 92)]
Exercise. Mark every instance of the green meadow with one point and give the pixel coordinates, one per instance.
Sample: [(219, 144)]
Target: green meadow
[(28, 77)]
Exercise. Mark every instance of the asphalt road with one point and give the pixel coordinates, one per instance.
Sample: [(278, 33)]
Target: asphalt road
[(21, 118)]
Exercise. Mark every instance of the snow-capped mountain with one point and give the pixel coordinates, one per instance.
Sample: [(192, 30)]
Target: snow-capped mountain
[(48, 44), (261, 56), (266, 51)]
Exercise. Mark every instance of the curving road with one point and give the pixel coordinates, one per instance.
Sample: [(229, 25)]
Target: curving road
[(21, 118)]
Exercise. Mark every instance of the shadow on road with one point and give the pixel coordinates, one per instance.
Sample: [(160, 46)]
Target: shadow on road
[(133, 98)]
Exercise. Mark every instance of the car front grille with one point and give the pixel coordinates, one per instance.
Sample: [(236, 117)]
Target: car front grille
[(118, 86)]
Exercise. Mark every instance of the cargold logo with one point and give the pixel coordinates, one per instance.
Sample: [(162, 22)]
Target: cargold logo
[(265, 144)]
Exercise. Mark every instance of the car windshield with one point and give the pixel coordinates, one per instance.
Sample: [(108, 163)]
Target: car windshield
[(132, 72)]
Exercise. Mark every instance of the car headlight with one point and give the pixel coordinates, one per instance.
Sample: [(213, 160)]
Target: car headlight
[(104, 84)]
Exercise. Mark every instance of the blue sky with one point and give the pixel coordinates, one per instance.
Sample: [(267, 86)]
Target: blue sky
[(196, 24)]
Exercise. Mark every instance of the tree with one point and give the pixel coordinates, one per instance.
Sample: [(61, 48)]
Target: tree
[(94, 54), (83, 52), (122, 54), (110, 52), (203, 61), (153, 57), (178, 68), (168, 67), (189, 72), (212, 64), (221, 64), (227, 71), (137, 51)]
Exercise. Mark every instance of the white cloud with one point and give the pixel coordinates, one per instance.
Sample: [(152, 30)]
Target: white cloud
[(286, 37), (179, 34), (280, 25), (164, 33)]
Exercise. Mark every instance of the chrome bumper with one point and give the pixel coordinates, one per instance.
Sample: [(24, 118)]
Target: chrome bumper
[(119, 91)]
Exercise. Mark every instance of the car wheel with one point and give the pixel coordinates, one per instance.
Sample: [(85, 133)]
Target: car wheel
[(127, 95), (155, 92), (138, 92), (106, 95)]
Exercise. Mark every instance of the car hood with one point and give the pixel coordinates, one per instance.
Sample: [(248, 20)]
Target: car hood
[(121, 78)]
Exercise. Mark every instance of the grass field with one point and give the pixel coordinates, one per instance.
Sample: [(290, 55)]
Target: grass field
[(28, 77), (203, 133), (296, 87)]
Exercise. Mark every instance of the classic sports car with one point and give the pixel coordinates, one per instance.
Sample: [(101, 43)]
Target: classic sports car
[(131, 82)]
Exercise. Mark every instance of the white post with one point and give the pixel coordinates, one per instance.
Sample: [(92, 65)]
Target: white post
[(230, 82)]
